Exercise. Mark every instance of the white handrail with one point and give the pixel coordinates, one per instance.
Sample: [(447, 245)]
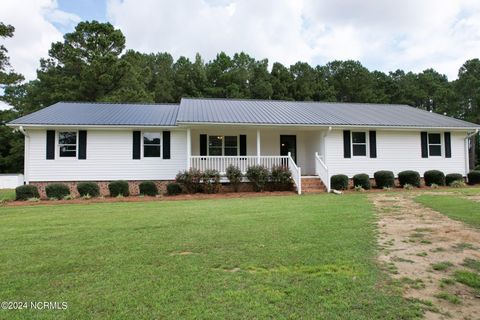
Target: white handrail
[(221, 163), (296, 173), (321, 170)]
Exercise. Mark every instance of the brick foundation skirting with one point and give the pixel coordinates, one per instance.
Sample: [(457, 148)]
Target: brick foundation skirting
[(133, 187)]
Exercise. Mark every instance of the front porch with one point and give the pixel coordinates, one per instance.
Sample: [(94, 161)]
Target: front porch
[(300, 150)]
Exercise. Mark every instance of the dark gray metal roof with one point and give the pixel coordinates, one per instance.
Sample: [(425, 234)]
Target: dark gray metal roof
[(108, 114), (311, 113)]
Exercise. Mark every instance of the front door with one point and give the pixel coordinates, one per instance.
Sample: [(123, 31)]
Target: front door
[(288, 143)]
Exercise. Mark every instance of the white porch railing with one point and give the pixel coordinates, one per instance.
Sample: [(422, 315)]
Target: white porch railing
[(296, 173), (321, 170), (221, 163)]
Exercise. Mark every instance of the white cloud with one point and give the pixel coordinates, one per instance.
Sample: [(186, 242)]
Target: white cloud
[(385, 35), (35, 30)]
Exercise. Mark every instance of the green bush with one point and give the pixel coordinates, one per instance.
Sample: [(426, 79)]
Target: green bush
[(339, 182), (211, 181), (57, 191), (88, 188), (190, 180), (173, 189), (384, 179), (473, 177), (477, 168), (118, 188), (434, 176), (362, 180), (258, 176), (409, 177), (148, 188), (26, 192), (451, 177), (281, 178), (234, 176)]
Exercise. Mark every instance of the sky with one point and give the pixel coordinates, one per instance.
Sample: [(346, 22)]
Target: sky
[(412, 35)]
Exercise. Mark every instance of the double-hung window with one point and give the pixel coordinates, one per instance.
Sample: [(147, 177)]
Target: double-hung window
[(151, 144), (223, 145), (434, 144), (67, 144), (359, 144)]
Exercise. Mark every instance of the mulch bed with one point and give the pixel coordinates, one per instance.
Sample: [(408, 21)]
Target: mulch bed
[(197, 196)]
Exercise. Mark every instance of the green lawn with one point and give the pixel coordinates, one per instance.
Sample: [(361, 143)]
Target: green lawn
[(298, 257), (454, 207), (7, 194)]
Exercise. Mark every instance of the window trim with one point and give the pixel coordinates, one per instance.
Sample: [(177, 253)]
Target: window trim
[(367, 144), (143, 144), (223, 144), (58, 145), (441, 144)]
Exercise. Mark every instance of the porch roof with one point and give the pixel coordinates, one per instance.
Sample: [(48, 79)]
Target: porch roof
[(238, 111)]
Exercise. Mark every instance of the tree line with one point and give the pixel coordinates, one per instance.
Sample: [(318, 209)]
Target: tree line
[(91, 64)]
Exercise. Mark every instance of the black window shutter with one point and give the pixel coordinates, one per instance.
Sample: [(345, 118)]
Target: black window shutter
[(166, 144), (424, 138), (448, 145), (136, 144), (243, 145), (203, 144), (373, 144), (346, 144), (50, 144), (82, 144)]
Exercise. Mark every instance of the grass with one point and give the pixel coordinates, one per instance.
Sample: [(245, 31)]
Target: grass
[(468, 278), (472, 264), (266, 257), (7, 194), (442, 266), (448, 297), (461, 209)]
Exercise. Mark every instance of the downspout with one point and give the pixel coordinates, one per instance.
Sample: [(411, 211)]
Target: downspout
[(467, 154), (26, 154)]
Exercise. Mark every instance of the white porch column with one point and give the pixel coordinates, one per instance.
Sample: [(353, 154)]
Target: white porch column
[(258, 146), (189, 148)]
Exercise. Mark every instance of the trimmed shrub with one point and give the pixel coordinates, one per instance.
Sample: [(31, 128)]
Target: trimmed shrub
[(211, 181), (26, 192), (362, 180), (451, 177), (88, 188), (118, 188), (148, 188), (473, 177), (173, 189), (258, 176), (434, 177), (339, 182), (409, 177), (281, 178), (190, 180), (57, 191), (384, 179), (234, 176)]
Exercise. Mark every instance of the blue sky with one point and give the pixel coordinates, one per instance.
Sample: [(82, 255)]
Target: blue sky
[(383, 35)]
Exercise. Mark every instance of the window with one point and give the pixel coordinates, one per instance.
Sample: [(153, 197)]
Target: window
[(434, 144), (359, 144), (151, 144), (222, 145), (67, 144)]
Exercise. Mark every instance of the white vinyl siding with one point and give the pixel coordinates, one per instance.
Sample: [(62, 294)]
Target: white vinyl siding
[(396, 151), (109, 157)]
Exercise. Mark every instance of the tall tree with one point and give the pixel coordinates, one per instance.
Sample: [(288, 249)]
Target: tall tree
[(11, 143)]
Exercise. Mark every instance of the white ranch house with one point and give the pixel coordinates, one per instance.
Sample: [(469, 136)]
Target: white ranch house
[(71, 142)]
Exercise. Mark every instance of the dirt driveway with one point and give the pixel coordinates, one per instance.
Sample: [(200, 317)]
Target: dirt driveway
[(422, 249)]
